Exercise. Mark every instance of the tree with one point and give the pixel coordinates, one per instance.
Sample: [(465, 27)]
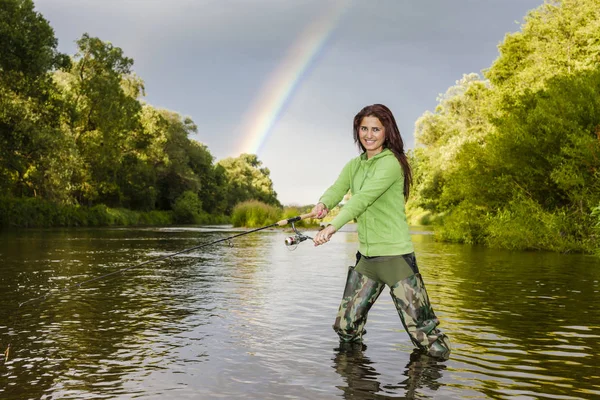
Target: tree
[(32, 147), (248, 180), (458, 128), (28, 47), (514, 162), (559, 37), (103, 119)]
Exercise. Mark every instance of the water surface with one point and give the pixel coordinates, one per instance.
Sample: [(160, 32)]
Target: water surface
[(251, 319)]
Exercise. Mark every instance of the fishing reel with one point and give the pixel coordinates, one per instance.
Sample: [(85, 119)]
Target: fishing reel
[(293, 241)]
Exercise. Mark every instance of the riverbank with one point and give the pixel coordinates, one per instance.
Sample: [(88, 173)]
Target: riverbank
[(32, 212)]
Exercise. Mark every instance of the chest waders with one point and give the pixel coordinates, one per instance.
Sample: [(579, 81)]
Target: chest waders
[(411, 301)]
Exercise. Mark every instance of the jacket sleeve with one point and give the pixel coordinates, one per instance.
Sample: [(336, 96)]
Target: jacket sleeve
[(338, 190), (386, 172)]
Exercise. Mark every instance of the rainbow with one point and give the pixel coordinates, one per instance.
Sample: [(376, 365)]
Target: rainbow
[(276, 93)]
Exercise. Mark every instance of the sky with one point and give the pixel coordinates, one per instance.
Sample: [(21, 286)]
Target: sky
[(283, 79)]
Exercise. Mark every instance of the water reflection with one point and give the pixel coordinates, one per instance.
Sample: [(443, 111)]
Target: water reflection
[(362, 381), (357, 371)]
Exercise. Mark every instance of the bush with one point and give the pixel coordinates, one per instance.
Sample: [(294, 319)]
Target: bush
[(31, 212), (253, 214), (156, 218), (98, 216), (465, 224), (521, 225), (596, 218), (188, 208), (524, 225), (211, 219), (418, 216)]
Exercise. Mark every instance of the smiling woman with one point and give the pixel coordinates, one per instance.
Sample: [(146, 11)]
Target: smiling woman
[(379, 180)]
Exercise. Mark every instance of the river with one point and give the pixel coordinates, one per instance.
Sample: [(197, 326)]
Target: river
[(250, 318)]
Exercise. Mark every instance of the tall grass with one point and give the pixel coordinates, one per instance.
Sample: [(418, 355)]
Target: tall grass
[(254, 213), (30, 212)]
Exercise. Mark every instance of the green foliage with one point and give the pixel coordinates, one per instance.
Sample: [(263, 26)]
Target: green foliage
[(558, 38), (188, 166), (188, 208), (156, 217), (27, 44), (74, 131), (30, 212), (524, 225), (596, 215), (596, 221), (248, 180), (29, 107), (254, 213), (514, 162), (418, 216), (103, 112), (465, 224)]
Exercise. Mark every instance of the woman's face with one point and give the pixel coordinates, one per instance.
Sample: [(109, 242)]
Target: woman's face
[(372, 135)]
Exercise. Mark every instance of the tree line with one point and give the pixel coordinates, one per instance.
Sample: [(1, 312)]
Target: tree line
[(509, 159), (74, 130), (512, 159)]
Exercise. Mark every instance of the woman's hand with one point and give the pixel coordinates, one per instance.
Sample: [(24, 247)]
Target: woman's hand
[(324, 235), (319, 211)]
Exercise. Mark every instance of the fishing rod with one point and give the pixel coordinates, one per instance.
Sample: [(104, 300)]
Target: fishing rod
[(290, 241)]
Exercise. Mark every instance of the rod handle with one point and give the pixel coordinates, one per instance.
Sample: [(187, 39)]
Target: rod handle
[(284, 222)]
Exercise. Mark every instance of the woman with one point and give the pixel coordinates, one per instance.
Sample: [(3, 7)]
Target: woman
[(379, 180)]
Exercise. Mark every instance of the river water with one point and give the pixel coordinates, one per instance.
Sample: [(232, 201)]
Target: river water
[(252, 319)]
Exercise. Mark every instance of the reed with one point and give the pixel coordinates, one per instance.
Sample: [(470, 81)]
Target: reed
[(254, 213)]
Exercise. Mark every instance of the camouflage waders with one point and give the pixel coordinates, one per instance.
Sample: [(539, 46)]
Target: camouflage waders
[(411, 301), (359, 295), (418, 318)]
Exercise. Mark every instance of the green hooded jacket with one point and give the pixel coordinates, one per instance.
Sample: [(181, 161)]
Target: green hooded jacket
[(377, 203)]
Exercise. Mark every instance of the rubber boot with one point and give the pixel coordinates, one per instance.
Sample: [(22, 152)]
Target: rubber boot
[(419, 320), (359, 295)]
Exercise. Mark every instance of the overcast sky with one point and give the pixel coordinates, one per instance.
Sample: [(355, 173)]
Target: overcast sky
[(217, 61)]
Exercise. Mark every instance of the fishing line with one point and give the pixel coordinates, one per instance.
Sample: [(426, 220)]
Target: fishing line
[(294, 240)]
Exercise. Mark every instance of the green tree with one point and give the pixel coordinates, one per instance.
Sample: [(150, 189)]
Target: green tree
[(514, 162), (458, 127), (103, 119), (141, 166), (559, 37), (176, 175), (28, 47), (187, 208), (186, 165), (248, 180), (74, 130), (32, 147)]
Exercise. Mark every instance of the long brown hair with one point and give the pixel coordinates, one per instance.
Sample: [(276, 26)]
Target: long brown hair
[(393, 140)]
